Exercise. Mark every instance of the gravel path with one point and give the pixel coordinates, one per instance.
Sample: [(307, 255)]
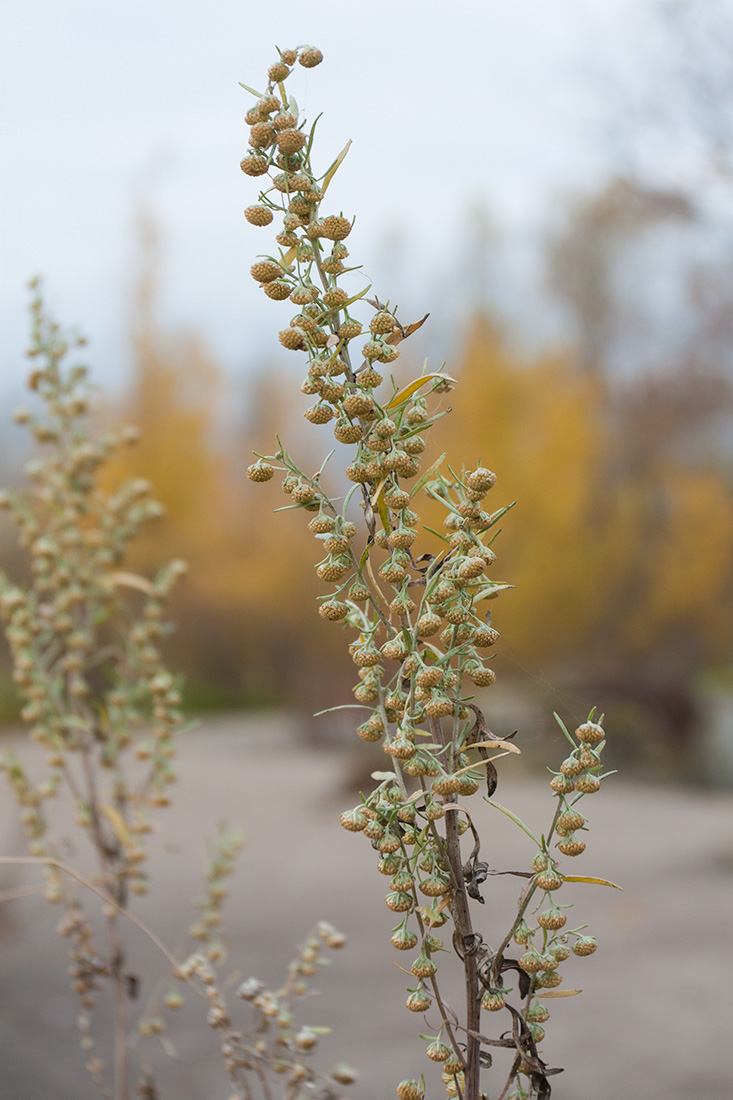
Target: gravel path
[(655, 1019)]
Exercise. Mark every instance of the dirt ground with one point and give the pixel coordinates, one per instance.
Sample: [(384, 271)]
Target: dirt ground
[(655, 1019)]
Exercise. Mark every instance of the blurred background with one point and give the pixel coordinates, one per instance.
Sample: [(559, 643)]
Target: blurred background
[(552, 182)]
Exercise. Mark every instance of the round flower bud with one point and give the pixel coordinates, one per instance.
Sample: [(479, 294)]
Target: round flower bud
[(354, 820), (423, 967), (435, 886), (481, 479), (560, 951), (537, 1032), (537, 1013), (265, 271), (346, 432), (552, 919), (584, 945), (293, 339), (309, 58), (261, 135), (438, 1052), (418, 1001), (278, 290), (428, 624), (278, 72), (349, 330), (333, 611), (403, 939), (254, 165), (333, 570), (481, 677), (571, 845), (399, 902), (400, 748), (549, 879), (335, 297), (568, 822), (571, 767), (286, 120), (548, 979), (319, 414), (382, 323), (260, 471), (290, 141), (587, 784), (467, 785), (358, 404), (438, 706), (258, 215), (590, 733), (561, 784), (531, 962), (322, 525), (492, 1002), (335, 228)]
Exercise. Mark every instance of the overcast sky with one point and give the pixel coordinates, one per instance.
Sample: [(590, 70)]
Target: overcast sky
[(450, 105)]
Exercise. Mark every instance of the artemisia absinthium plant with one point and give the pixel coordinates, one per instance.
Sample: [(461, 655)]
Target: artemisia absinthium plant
[(85, 638), (420, 631)]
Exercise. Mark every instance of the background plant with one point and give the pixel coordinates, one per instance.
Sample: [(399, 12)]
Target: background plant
[(421, 633), (85, 635)]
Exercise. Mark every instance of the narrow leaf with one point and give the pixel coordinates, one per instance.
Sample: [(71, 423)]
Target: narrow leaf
[(427, 475), (407, 391), (132, 580), (517, 820), (117, 822), (590, 878), (564, 728), (335, 166), (560, 993), (257, 95)]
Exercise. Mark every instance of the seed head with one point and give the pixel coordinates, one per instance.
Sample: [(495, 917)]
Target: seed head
[(584, 945), (258, 215), (319, 414)]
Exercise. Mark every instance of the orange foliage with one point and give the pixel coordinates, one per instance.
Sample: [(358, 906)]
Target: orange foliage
[(609, 564)]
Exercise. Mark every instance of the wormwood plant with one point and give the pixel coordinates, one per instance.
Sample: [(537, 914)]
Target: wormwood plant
[(85, 636), (420, 635)]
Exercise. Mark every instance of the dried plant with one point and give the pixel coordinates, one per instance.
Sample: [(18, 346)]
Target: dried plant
[(419, 631)]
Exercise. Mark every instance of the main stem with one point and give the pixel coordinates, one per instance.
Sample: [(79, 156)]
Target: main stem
[(464, 937)]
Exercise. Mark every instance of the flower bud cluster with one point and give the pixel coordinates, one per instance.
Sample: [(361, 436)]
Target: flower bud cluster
[(87, 661)]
